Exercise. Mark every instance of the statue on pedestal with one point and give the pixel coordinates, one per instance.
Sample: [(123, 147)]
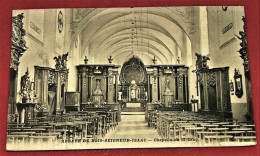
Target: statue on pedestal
[(25, 87), (167, 93), (133, 90), (98, 94)]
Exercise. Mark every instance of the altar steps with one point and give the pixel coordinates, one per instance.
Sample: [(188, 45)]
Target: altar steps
[(132, 113), (133, 109)]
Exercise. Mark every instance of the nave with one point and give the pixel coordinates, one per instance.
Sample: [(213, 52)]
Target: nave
[(201, 129), (163, 129), (114, 78), (133, 127)]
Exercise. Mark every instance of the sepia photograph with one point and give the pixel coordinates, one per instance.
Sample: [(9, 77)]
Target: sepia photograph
[(133, 77)]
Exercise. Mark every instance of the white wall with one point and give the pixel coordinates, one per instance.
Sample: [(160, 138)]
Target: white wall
[(227, 56), (42, 44)]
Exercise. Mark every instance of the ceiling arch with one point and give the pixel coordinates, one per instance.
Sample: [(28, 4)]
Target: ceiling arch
[(151, 45), (107, 32), (166, 27), (124, 56), (154, 36), (167, 12), (142, 48)]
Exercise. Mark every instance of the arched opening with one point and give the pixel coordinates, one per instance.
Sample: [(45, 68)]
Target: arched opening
[(133, 83)]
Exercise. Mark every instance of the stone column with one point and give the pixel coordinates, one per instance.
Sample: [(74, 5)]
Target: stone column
[(155, 87), (186, 89), (206, 99), (116, 88)]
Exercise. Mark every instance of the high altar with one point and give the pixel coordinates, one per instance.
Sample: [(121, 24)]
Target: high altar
[(133, 83)]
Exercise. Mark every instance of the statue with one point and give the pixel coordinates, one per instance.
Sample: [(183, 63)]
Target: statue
[(98, 90), (168, 96), (64, 60), (18, 32), (201, 64), (25, 89), (133, 90), (61, 61), (167, 84), (18, 42), (243, 51), (242, 37), (98, 98), (58, 62)]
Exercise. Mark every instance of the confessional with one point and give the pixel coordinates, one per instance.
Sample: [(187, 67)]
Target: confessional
[(214, 91), (213, 88)]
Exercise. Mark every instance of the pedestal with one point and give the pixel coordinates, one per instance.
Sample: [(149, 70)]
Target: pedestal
[(168, 97), (98, 100), (194, 105)]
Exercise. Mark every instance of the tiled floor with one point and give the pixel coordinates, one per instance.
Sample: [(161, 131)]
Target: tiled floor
[(132, 126)]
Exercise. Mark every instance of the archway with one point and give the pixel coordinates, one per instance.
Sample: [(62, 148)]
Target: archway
[(133, 84)]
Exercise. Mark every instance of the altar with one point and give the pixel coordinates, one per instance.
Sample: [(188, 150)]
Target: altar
[(133, 104), (133, 82)]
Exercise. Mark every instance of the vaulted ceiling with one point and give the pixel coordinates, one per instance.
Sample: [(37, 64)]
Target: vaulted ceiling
[(124, 32)]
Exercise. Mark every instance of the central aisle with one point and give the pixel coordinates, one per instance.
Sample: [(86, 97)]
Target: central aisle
[(132, 126)]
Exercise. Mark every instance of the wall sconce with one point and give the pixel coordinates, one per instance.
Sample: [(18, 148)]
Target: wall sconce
[(238, 83)]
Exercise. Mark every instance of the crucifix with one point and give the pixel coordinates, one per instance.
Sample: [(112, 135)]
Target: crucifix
[(86, 60), (154, 60), (110, 59)]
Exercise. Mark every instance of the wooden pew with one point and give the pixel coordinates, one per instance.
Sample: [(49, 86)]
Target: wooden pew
[(245, 138), (14, 138)]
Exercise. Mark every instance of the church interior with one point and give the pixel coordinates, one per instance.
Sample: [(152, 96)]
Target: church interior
[(130, 73)]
